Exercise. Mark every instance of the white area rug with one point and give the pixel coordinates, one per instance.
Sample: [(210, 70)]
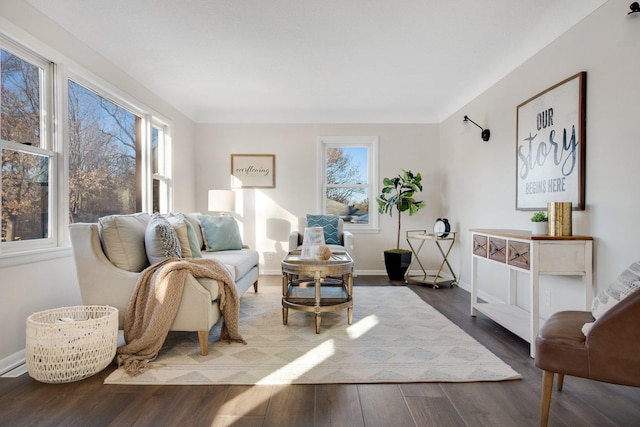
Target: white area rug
[(395, 338)]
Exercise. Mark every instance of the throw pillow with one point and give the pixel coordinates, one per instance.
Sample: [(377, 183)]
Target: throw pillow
[(624, 285), (221, 233), (178, 223), (192, 218), (194, 243), (161, 240), (122, 237), (329, 224)]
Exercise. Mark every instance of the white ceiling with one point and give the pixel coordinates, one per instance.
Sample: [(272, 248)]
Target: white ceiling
[(312, 61)]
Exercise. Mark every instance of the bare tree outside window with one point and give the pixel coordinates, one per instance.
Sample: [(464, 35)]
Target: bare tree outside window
[(25, 167), (103, 170), (347, 183)]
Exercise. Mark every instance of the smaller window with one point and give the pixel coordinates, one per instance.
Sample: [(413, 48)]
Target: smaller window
[(160, 169), (349, 173)]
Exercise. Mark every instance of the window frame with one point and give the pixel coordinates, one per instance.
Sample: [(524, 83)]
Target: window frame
[(48, 147), (372, 144)]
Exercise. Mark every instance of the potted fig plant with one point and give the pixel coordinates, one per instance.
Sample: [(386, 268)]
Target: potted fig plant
[(397, 194), (540, 223)]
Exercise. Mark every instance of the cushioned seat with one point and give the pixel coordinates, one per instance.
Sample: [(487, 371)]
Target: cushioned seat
[(239, 262), (602, 348), (344, 240)]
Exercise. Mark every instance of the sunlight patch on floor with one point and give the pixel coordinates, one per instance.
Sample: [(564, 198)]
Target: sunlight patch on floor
[(306, 362), (363, 326)]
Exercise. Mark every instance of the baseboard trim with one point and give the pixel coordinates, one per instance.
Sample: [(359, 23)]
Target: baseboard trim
[(12, 362)]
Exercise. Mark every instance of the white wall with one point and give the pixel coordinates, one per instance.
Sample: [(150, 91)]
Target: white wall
[(412, 147), (35, 286), (478, 181)]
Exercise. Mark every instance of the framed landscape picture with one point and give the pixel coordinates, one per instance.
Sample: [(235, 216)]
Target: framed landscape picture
[(253, 171), (550, 146)]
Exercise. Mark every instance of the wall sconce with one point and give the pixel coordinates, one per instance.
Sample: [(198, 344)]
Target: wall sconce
[(635, 7), (485, 134), (222, 201)]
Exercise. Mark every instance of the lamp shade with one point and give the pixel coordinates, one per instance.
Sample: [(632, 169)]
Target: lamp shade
[(222, 201)]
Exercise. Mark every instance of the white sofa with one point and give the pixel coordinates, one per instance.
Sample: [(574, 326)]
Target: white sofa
[(110, 279)]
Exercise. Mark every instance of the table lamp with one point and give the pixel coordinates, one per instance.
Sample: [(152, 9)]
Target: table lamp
[(222, 201)]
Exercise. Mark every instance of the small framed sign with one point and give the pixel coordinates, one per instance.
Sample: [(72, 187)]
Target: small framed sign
[(550, 146), (253, 171)]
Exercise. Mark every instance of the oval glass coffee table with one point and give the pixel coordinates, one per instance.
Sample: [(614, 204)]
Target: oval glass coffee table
[(317, 286)]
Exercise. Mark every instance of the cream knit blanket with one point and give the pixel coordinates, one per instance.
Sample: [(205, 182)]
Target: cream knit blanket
[(154, 305)]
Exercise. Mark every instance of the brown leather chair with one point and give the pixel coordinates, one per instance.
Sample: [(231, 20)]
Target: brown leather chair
[(610, 353)]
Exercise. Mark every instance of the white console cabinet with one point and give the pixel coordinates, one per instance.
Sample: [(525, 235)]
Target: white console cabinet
[(537, 255)]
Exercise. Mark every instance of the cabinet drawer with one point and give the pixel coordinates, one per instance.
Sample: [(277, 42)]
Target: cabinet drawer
[(519, 254), (497, 249), (480, 245)]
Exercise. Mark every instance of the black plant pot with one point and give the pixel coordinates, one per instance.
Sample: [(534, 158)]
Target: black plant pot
[(397, 264)]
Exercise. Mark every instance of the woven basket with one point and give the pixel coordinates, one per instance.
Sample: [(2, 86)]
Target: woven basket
[(70, 343)]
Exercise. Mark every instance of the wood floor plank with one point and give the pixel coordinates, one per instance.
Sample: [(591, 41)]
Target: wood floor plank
[(434, 411), (338, 405), (247, 400), (291, 405), (383, 405)]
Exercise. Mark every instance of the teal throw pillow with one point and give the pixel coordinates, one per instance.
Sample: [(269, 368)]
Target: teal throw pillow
[(329, 224), (221, 233)]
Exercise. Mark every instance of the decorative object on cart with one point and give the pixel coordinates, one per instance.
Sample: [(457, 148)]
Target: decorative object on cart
[(559, 219), (397, 194), (540, 223), (70, 343), (485, 134), (441, 228), (550, 146)]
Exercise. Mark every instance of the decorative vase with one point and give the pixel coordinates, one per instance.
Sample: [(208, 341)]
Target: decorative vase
[(541, 227), (559, 214)]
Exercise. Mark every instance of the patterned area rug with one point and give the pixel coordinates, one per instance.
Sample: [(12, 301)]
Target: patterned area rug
[(395, 338)]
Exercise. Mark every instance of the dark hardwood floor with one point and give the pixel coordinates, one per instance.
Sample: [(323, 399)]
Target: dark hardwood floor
[(26, 402)]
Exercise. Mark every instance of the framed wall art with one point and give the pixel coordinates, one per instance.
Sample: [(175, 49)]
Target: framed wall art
[(253, 171), (550, 146)]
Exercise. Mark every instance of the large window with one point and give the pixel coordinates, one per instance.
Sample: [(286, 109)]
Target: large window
[(118, 152), (104, 168), (349, 174), (26, 145)]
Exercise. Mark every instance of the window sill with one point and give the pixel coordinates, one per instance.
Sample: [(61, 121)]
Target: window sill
[(33, 256), (362, 230)]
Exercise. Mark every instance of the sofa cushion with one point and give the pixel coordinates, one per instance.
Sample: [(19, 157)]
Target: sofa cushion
[(194, 243), (329, 224), (179, 224), (197, 227), (220, 233), (161, 240), (238, 262), (122, 238)]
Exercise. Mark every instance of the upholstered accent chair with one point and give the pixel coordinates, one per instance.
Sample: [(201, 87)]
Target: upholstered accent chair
[(336, 237), (608, 350)]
